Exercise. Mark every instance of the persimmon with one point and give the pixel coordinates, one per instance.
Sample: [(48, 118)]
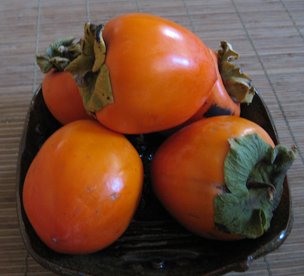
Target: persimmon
[(82, 188), (59, 89), (231, 89), (221, 177), (142, 73)]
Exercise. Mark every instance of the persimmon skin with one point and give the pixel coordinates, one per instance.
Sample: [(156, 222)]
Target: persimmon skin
[(218, 103), (82, 188), (188, 171), (160, 72), (218, 99), (61, 96)]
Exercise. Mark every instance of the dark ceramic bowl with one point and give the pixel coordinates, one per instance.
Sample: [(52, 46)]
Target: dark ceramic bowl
[(154, 244)]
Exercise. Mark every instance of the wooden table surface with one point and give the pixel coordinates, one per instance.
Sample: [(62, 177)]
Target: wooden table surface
[(268, 34)]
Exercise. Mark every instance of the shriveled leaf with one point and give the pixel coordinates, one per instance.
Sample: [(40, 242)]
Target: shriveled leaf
[(91, 71), (44, 63), (247, 216), (59, 63), (80, 66), (73, 51), (58, 55), (53, 49), (103, 87), (87, 43), (96, 90), (85, 61), (99, 49), (273, 169), (226, 52), (238, 85), (245, 152), (86, 89), (254, 175)]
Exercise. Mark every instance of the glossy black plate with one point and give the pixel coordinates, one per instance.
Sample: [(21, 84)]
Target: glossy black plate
[(154, 244)]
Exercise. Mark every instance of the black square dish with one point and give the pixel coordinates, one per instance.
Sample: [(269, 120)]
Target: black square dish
[(154, 244)]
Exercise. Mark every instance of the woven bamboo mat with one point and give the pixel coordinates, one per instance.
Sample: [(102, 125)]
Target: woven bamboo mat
[(268, 34)]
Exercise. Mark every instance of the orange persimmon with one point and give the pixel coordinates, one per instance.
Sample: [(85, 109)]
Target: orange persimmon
[(221, 177), (232, 87), (59, 89), (143, 73), (62, 98), (82, 188)]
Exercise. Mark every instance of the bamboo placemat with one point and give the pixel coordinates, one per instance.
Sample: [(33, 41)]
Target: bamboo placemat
[(268, 34)]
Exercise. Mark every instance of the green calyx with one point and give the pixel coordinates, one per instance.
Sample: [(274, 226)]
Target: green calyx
[(90, 70), (254, 176), (58, 55), (238, 84)]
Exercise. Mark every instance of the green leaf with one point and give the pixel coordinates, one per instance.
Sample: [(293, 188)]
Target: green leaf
[(254, 176), (244, 153), (247, 216), (273, 168)]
